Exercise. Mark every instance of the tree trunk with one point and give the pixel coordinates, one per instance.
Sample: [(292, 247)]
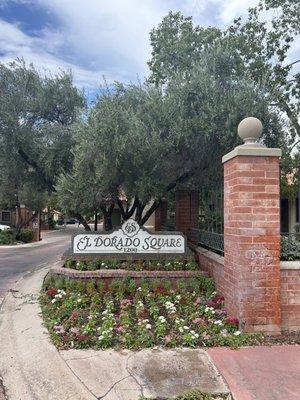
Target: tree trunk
[(82, 221), (107, 216), (128, 213), (96, 221), (21, 223)]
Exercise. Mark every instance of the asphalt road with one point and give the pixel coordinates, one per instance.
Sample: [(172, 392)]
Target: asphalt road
[(17, 260)]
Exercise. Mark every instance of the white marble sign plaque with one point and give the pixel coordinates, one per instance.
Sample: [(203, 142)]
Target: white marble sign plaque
[(130, 239)]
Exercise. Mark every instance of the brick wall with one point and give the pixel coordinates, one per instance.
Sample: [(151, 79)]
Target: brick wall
[(186, 210), (252, 240), (213, 264), (290, 295)]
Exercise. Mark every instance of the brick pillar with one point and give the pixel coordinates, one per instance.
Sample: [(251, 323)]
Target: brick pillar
[(186, 210), (252, 237), (161, 215)]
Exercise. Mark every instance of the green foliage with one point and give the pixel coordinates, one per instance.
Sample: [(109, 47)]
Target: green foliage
[(290, 247), (6, 237), (26, 235), (35, 139), (126, 315), (194, 395), (142, 265), (259, 51)]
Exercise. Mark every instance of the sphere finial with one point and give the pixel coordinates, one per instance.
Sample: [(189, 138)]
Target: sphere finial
[(250, 129)]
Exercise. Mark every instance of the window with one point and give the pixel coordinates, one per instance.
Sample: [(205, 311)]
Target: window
[(5, 216)]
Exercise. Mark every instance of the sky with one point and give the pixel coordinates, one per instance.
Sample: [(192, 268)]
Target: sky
[(97, 38)]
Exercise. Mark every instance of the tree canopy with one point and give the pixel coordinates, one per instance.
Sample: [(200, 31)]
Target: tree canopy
[(36, 113)]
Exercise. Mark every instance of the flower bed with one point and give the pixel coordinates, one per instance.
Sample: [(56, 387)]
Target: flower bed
[(126, 315), (140, 265)]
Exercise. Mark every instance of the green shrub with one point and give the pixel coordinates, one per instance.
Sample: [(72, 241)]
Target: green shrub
[(6, 237), (26, 235), (290, 248)]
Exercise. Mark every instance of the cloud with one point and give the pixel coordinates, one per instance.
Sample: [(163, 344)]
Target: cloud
[(97, 38)]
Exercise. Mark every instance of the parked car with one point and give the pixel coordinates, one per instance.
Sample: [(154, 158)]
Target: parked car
[(60, 221), (72, 221), (4, 227)]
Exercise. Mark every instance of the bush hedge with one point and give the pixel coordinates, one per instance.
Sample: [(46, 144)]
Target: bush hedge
[(26, 235), (6, 237)]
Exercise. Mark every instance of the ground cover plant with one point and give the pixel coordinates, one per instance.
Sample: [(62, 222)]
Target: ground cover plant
[(127, 315), (139, 265), (196, 395), (290, 248)]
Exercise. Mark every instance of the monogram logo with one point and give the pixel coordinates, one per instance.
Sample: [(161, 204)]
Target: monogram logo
[(130, 228)]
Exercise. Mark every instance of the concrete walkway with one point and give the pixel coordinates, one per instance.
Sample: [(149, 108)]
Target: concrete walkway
[(260, 373)]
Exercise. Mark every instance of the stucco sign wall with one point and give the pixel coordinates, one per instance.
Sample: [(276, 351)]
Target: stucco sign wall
[(129, 239)]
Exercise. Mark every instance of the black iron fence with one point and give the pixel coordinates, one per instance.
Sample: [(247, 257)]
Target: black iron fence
[(209, 240)]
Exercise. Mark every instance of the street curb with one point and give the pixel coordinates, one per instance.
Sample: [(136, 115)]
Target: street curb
[(27, 373)]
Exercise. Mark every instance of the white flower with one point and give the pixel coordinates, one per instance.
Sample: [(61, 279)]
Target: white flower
[(101, 337), (79, 300), (237, 333), (139, 289), (218, 322), (161, 318), (140, 304), (186, 328), (148, 326), (53, 301), (181, 330)]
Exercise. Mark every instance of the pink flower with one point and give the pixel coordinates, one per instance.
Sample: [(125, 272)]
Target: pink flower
[(59, 329), (198, 300), (125, 302), (199, 321), (205, 336), (75, 330), (120, 329)]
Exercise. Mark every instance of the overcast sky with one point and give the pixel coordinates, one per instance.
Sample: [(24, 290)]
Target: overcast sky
[(97, 37)]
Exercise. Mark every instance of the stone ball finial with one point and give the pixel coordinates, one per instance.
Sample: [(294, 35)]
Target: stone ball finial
[(250, 129)]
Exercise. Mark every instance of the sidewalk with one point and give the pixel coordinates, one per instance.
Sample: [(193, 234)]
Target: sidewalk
[(32, 368), (260, 373)]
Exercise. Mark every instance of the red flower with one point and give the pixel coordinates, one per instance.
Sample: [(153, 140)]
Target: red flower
[(51, 292), (82, 338), (161, 290), (74, 315), (232, 321)]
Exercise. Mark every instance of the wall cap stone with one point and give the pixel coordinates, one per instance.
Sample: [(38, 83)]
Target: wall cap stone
[(210, 254), (121, 273), (290, 264), (255, 149)]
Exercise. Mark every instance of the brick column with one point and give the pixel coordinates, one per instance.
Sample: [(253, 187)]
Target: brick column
[(161, 215), (186, 210), (252, 237)]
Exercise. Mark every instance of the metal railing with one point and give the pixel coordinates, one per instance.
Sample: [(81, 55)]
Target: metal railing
[(210, 240), (290, 246)]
